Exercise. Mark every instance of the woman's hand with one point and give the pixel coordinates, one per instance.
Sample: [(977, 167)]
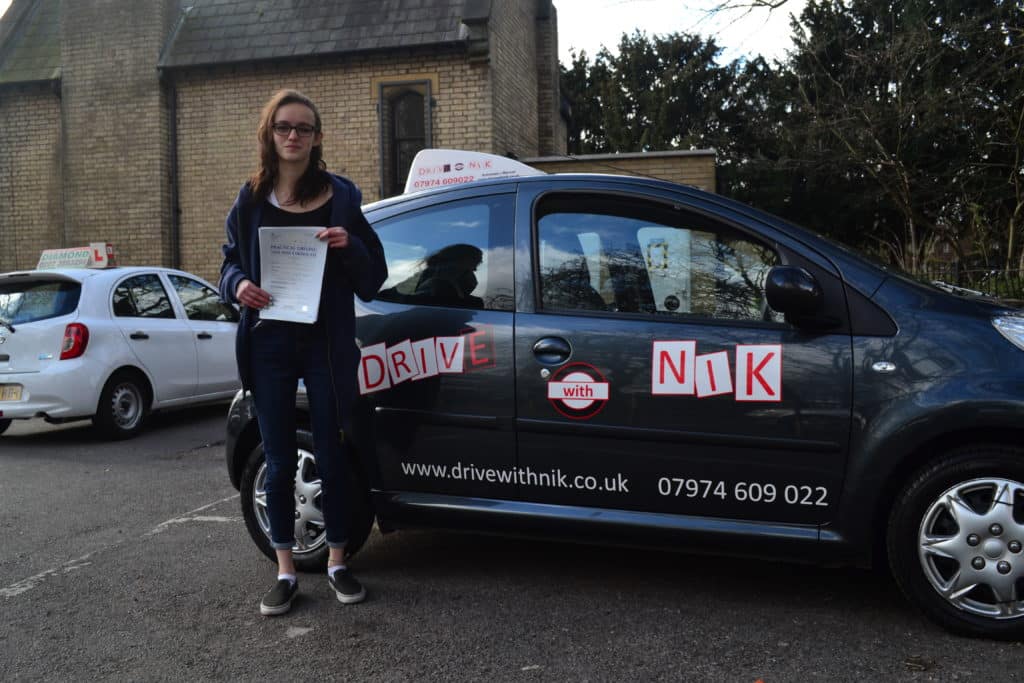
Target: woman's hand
[(248, 294), (336, 237)]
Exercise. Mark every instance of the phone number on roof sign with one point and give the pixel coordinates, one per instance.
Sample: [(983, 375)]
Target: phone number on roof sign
[(439, 182)]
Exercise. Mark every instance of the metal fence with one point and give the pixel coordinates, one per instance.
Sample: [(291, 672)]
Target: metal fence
[(1002, 284)]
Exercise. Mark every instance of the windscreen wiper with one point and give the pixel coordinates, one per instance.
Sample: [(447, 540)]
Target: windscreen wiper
[(8, 325), (957, 289)]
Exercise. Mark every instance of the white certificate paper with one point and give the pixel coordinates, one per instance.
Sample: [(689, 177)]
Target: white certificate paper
[(292, 271)]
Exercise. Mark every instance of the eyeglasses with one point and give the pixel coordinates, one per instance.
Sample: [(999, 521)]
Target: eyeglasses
[(285, 129)]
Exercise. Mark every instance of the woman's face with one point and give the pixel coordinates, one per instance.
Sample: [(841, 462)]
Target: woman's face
[(291, 145)]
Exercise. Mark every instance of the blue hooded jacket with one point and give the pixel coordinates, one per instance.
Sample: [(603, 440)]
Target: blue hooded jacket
[(359, 268)]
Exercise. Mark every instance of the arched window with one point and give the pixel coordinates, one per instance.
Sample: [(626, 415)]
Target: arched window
[(409, 133), (405, 130)]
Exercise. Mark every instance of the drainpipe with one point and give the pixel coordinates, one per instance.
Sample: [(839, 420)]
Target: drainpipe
[(172, 113), (166, 79)]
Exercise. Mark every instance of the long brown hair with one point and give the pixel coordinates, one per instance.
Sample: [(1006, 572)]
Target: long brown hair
[(314, 181)]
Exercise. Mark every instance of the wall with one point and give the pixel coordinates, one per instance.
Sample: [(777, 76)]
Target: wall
[(92, 160), (30, 174), (695, 168), (552, 134), (116, 163), (513, 43), (218, 111)]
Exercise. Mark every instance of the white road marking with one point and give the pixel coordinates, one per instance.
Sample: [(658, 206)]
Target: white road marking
[(163, 526), (187, 517), (31, 582), (297, 631)]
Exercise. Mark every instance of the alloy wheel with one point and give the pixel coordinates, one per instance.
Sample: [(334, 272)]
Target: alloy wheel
[(310, 529), (970, 545)]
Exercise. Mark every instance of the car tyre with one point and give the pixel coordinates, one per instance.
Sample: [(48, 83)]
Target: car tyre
[(955, 541), (310, 551), (4, 424), (123, 406)]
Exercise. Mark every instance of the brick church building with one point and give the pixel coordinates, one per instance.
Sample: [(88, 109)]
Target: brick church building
[(133, 121)]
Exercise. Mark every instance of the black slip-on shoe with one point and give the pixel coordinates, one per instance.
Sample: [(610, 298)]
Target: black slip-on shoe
[(278, 599), (347, 587)]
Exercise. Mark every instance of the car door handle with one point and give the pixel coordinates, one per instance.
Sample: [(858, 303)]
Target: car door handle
[(138, 335), (205, 335), (552, 350)]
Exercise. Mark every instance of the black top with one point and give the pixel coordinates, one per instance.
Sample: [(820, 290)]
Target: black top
[(279, 218)]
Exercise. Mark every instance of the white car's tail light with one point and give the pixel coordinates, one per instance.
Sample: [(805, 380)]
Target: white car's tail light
[(76, 338)]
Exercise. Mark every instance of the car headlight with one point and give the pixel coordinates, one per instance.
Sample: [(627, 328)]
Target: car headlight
[(1011, 326)]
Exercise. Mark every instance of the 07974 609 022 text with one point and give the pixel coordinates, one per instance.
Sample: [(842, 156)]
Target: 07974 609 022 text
[(744, 491)]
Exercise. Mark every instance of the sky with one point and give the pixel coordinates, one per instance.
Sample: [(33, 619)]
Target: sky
[(589, 24)]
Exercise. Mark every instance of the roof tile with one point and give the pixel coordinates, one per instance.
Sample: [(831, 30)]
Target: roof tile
[(33, 52), (218, 31)]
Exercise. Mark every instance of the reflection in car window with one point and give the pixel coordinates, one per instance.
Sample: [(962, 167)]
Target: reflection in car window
[(142, 296), (202, 302), (25, 302), (458, 254), (609, 254)]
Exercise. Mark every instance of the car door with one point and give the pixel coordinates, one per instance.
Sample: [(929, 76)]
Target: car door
[(213, 324), (163, 343), (651, 375), (436, 375)]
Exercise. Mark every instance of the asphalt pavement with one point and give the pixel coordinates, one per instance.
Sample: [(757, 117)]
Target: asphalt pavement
[(130, 561)]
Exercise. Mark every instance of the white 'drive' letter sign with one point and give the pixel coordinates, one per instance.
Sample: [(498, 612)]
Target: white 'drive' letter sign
[(713, 374), (672, 364), (759, 372), (373, 369)]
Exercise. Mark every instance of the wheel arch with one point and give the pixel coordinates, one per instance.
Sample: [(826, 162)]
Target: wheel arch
[(918, 457), (243, 445), (146, 383), (249, 437)]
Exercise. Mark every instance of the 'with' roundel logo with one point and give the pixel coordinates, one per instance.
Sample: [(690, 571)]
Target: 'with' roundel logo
[(578, 391)]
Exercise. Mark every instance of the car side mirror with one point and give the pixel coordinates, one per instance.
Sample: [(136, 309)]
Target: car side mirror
[(795, 292)]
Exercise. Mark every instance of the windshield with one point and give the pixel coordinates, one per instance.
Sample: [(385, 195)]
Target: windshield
[(25, 302)]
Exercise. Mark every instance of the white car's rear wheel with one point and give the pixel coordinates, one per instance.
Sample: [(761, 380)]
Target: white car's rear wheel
[(123, 406)]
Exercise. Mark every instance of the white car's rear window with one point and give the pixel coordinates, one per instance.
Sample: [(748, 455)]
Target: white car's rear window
[(31, 300)]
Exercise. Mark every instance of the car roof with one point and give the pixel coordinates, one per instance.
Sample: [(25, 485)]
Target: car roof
[(547, 177), (83, 274)]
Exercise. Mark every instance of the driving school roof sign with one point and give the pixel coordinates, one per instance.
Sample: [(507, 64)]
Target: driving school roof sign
[(96, 255), (444, 167)]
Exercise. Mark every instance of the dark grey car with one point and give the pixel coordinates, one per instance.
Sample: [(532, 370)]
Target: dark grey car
[(624, 360)]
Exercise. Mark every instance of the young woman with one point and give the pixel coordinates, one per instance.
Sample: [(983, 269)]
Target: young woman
[(291, 187)]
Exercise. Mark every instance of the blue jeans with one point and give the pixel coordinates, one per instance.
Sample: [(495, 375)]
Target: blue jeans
[(281, 353)]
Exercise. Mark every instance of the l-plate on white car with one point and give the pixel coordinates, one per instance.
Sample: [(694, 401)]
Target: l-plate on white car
[(111, 344)]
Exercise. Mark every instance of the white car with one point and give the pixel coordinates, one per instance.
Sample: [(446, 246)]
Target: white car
[(111, 344)]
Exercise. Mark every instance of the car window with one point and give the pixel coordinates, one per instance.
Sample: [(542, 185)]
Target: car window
[(202, 302), (142, 296), (25, 302), (458, 254), (631, 256)]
